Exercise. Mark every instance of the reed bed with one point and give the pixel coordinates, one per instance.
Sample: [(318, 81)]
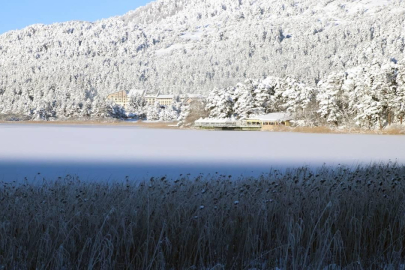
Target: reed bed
[(329, 218)]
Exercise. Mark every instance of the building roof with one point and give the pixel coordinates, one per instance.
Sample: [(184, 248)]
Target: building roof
[(278, 116), (216, 120), (165, 96), (151, 96)]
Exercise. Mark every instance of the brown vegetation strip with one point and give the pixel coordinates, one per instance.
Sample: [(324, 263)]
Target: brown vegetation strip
[(299, 220), (325, 129), (173, 125), (158, 125)]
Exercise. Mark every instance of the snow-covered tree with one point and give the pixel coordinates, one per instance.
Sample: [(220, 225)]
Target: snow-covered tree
[(399, 104), (176, 46), (114, 110), (243, 105), (153, 112), (331, 98), (169, 114), (220, 103)]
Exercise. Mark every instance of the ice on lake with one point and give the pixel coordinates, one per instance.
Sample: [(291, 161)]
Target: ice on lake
[(114, 152)]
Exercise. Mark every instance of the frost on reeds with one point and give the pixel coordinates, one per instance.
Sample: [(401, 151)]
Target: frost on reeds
[(333, 218)]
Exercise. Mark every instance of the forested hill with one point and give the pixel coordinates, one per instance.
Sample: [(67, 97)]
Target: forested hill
[(195, 45)]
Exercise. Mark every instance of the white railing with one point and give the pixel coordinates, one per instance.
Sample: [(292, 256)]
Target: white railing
[(226, 125)]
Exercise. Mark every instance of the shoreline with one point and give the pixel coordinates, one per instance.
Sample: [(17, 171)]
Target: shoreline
[(328, 130), (155, 125), (173, 125)]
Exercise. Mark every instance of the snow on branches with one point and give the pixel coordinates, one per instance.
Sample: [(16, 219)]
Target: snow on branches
[(193, 46), (368, 96), (260, 97)]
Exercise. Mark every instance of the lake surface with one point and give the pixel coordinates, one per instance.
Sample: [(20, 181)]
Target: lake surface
[(114, 152)]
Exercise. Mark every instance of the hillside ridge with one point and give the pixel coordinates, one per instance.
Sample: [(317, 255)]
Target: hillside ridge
[(182, 46)]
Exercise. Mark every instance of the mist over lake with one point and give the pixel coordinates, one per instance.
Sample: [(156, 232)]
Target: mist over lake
[(114, 152)]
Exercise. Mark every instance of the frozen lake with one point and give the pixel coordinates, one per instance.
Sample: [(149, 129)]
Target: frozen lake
[(113, 152)]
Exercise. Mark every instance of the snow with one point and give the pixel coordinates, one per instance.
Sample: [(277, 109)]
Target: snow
[(369, 6), (172, 48), (193, 96), (111, 152), (192, 35), (352, 7), (136, 92), (273, 117)]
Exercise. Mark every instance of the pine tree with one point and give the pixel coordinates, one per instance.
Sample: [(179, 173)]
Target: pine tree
[(330, 99)]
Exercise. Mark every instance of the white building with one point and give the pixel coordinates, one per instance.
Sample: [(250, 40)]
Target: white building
[(271, 119), (217, 123), (264, 122), (123, 97)]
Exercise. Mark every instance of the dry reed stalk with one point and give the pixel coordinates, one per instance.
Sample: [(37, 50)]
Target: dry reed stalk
[(298, 219)]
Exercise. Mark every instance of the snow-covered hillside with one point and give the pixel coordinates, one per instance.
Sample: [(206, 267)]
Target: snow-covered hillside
[(175, 46)]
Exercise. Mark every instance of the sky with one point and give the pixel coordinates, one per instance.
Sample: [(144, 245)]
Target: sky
[(17, 14)]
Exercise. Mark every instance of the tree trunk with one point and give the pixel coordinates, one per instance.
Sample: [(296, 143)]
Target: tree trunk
[(389, 118)]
